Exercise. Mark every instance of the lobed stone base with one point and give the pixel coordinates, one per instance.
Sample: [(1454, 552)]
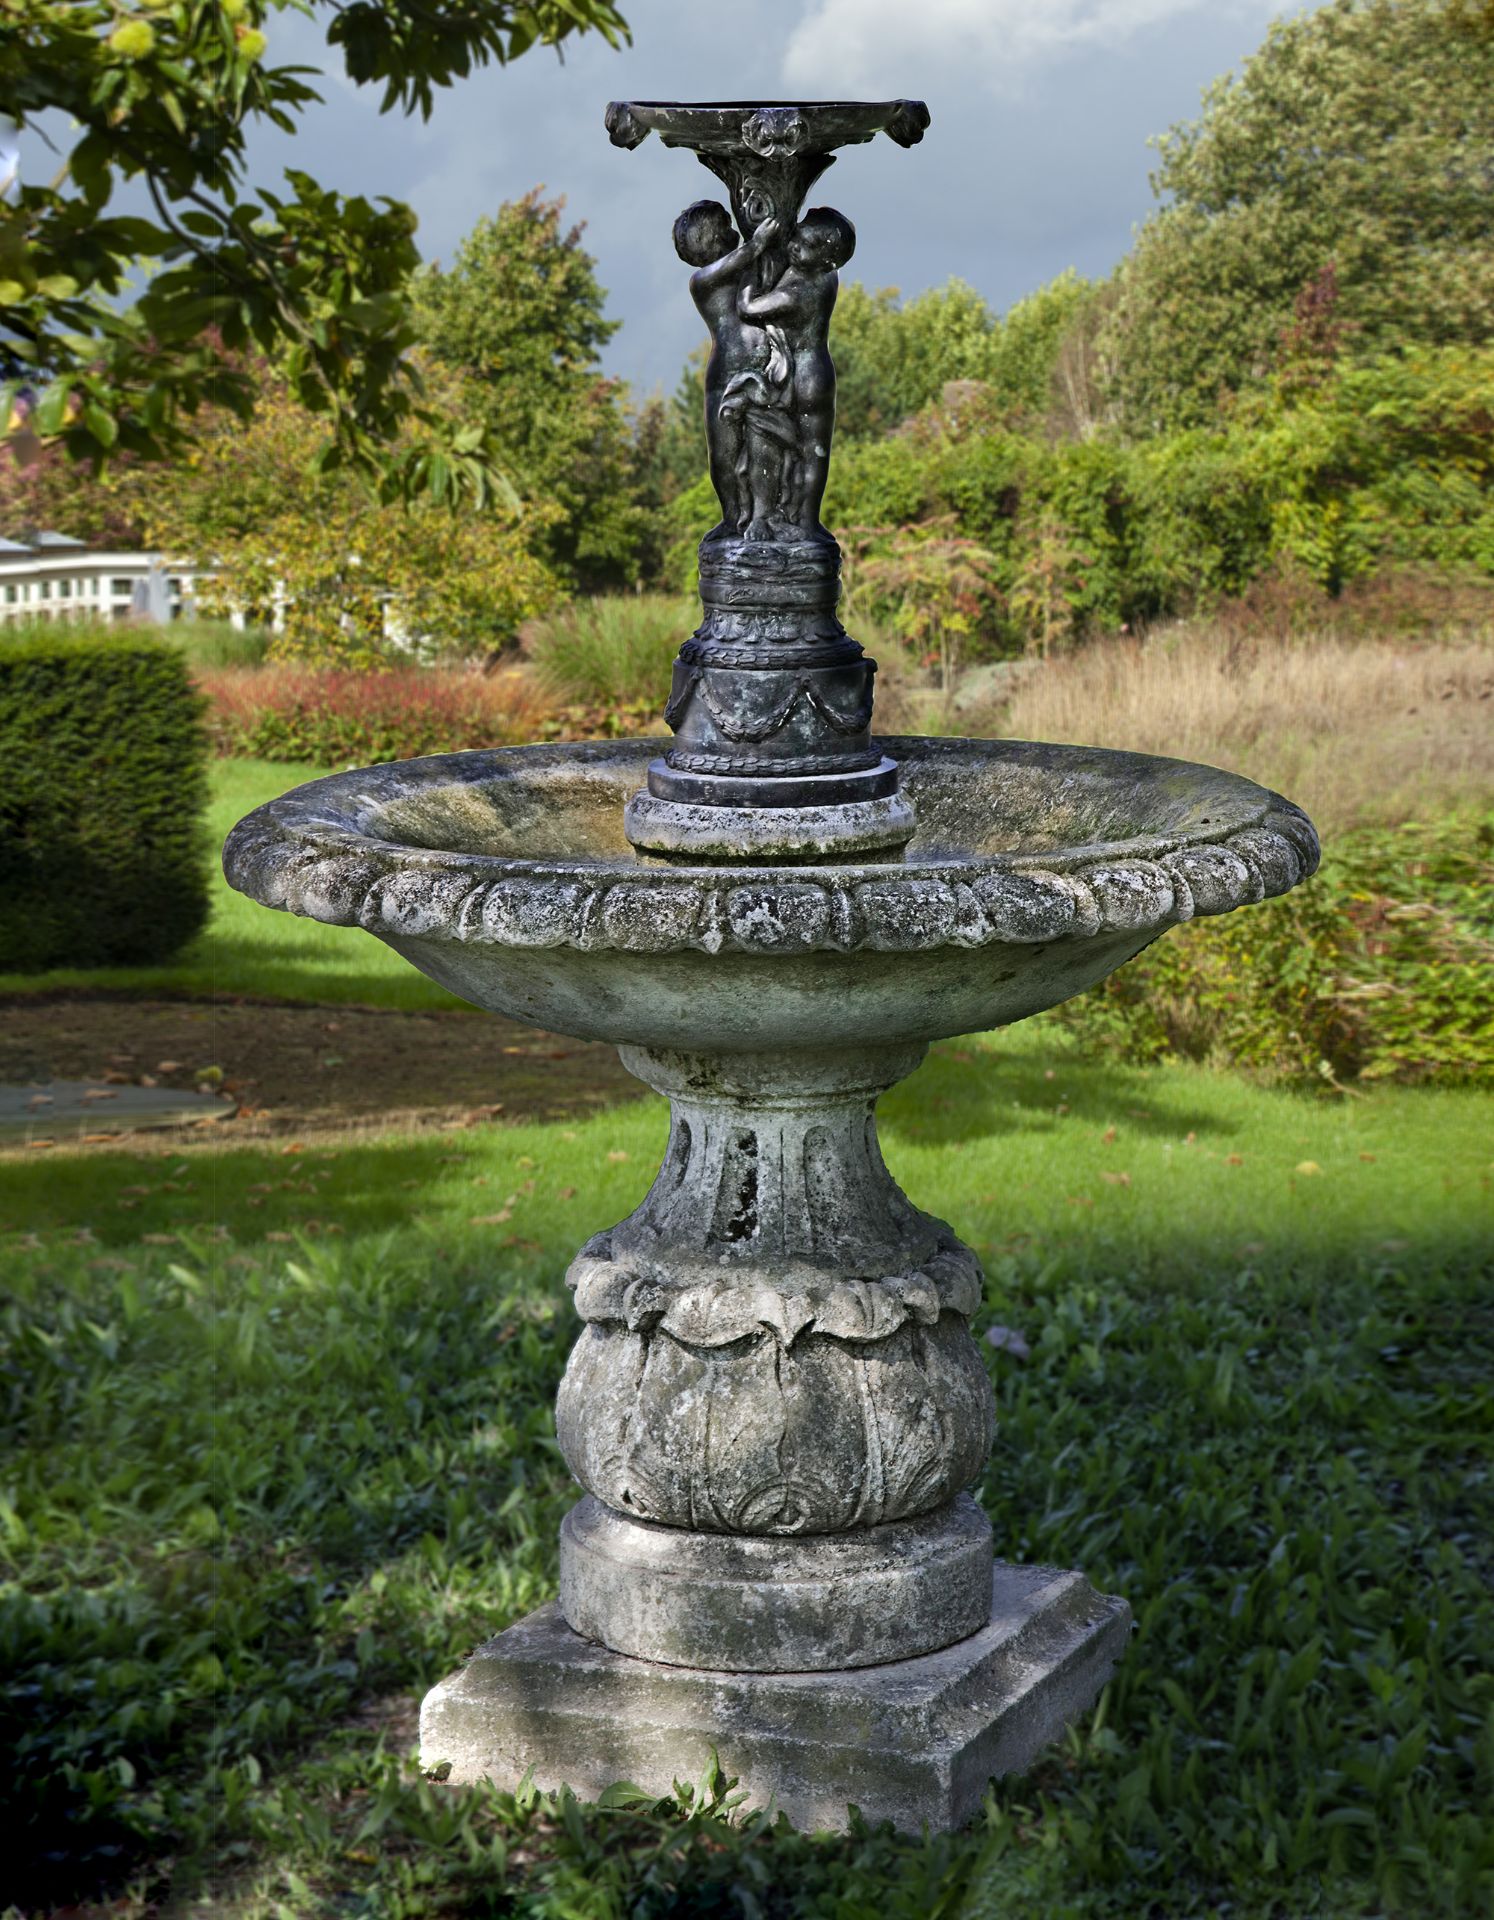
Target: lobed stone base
[(757, 1603), (914, 1742)]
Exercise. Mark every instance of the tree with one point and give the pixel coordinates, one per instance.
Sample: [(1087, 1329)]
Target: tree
[(166, 93), (348, 579), (1356, 145), (520, 315), (894, 356), (40, 488)]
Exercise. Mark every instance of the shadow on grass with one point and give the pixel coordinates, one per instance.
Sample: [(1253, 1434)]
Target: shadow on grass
[(344, 1187), (969, 1092)]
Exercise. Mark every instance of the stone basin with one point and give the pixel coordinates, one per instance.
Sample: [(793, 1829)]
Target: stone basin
[(1034, 872)]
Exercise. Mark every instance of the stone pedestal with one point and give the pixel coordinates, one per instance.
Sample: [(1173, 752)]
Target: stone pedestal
[(776, 1343), (776, 1406), (914, 1742)]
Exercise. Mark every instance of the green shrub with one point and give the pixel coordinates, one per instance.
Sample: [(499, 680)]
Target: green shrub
[(613, 651), (1383, 467), (1376, 969), (102, 845)]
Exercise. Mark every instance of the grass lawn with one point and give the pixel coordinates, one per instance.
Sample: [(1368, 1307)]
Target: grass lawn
[(247, 950), (281, 1451)]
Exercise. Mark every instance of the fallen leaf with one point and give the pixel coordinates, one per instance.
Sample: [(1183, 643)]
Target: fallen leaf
[(168, 1066), (1366, 1156), (1049, 1074), (101, 1093), (1117, 1179), (566, 1193), (617, 1153), (115, 1079), (570, 1134), (158, 1239), (294, 1147), (1107, 1138), (1234, 1159), (491, 1219), (1307, 1168), (282, 1237), (1189, 1140), (1080, 1200)]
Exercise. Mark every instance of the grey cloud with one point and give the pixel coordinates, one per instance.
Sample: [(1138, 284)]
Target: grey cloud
[(1004, 192)]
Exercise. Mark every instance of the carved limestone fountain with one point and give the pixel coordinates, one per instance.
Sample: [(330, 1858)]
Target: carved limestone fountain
[(775, 1405)]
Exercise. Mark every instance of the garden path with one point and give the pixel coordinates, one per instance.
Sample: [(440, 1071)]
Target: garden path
[(311, 1068)]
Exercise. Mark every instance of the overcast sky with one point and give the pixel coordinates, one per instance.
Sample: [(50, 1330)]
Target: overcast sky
[(1036, 159)]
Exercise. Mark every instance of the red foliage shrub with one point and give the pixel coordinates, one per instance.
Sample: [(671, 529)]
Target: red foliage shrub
[(333, 716)]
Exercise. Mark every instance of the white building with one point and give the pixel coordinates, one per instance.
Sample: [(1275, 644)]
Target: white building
[(50, 576)]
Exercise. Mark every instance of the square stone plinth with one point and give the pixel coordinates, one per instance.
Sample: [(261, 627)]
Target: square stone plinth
[(913, 1742)]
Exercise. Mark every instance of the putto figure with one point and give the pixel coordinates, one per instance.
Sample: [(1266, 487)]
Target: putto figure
[(705, 239), (800, 305), (770, 381)]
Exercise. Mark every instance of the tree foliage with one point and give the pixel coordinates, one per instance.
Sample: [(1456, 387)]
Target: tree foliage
[(894, 356), (347, 579), (167, 94), (520, 317), (1356, 144)]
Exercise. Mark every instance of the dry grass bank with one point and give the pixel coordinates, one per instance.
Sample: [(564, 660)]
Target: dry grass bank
[(1359, 733)]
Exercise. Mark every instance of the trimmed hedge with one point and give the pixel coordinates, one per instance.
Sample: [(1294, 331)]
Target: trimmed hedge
[(102, 800)]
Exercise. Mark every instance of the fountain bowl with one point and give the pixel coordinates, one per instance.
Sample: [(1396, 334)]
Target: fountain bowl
[(1035, 871)]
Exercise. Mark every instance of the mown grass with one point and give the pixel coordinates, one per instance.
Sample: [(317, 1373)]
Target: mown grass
[(256, 1483), (248, 950), (1023, 1142)]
